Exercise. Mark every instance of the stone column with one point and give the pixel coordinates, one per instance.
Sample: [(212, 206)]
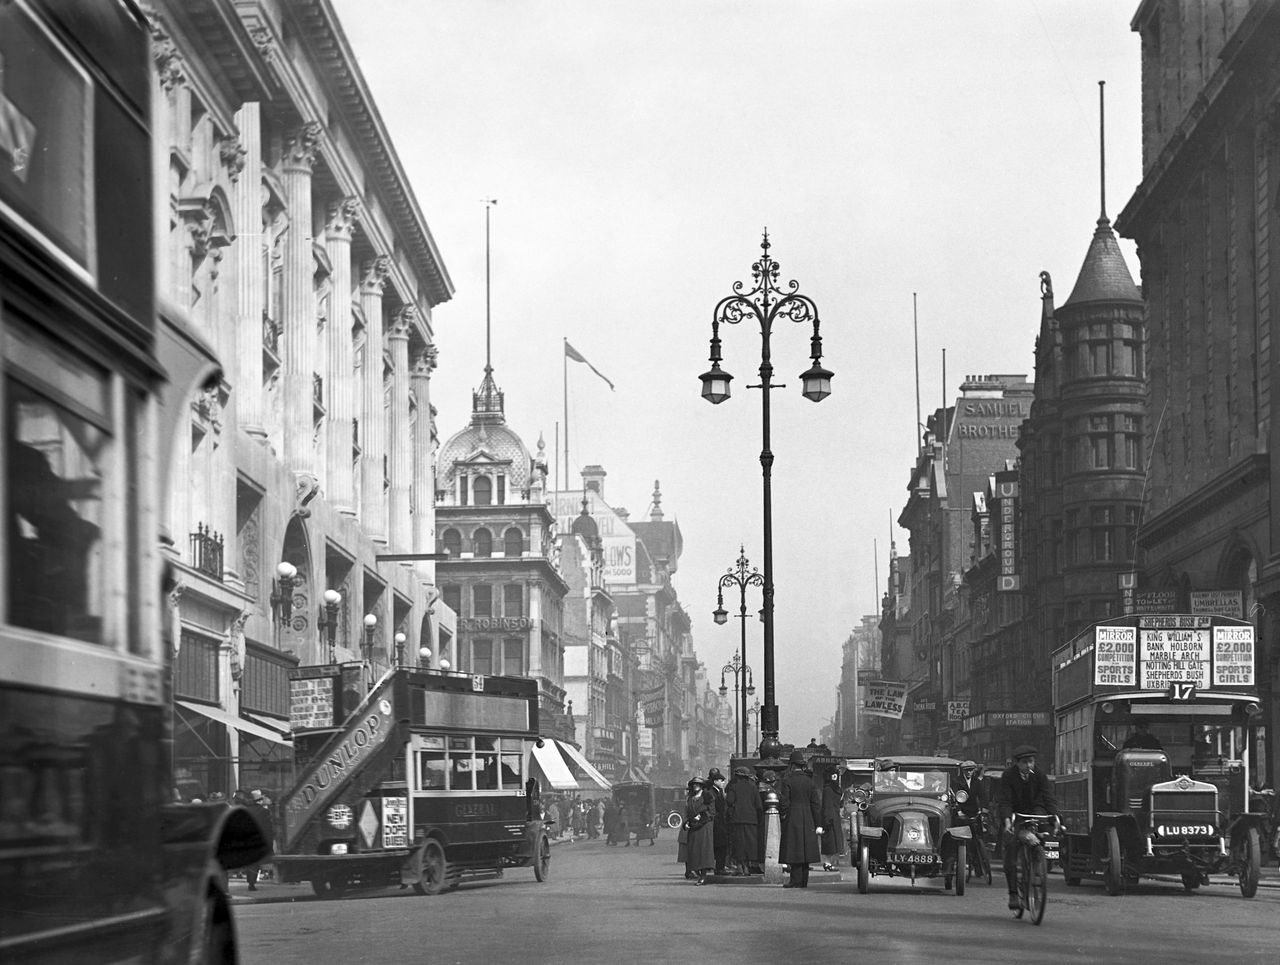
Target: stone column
[(399, 436), (373, 431), (250, 279), (339, 376), (423, 471), (299, 310)]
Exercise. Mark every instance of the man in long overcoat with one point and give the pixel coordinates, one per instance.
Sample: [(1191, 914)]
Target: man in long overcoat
[(800, 804), (720, 837), (745, 813)]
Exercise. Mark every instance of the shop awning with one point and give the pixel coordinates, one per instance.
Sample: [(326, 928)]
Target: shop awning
[(555, 772), (281, 727), (585, 771), (231, 720)]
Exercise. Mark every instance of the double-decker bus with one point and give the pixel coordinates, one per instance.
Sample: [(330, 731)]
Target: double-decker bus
[(427, 780), (1154, 717), (97, 863)]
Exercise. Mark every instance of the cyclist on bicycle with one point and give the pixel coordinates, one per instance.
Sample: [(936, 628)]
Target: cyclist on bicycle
[(1022, 790), (967, 781)]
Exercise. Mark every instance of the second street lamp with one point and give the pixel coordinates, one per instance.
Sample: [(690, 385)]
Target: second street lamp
[(744, 685), (739, 576), (765, 302)]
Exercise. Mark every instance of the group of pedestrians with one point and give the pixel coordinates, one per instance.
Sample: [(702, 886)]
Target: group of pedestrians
[(724, 826)]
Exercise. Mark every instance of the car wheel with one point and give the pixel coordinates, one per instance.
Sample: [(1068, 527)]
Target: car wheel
[(864, 869), (962, 862)]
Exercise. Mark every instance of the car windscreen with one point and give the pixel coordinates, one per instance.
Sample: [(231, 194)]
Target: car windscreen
[(911, 780)]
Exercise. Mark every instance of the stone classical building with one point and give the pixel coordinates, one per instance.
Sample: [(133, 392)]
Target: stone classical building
[(1206, 221), (292, 244), (503, 575)]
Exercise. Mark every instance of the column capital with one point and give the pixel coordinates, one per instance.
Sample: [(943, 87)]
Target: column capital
[(373, 274), (171, 69), (232, 154), (300, 147), (403, 321), (341, 216), (425, 362)]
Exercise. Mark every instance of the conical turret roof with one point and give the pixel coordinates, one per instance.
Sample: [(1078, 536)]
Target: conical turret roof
[(1104, 277)]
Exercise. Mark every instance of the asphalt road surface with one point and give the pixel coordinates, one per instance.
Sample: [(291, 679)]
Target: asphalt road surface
[(631, 905)]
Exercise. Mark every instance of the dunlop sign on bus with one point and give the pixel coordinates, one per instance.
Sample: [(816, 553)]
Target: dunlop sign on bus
[(1190, 652)]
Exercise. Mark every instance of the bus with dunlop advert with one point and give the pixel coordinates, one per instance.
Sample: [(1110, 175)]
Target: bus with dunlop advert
[(426, 781), (1155, 717)]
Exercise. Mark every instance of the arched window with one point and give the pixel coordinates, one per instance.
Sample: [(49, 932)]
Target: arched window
[(482, 491), (452, 543), (483, 540), (513, 542)]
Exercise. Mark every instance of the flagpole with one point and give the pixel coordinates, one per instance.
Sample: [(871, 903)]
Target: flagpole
[(564, 364)]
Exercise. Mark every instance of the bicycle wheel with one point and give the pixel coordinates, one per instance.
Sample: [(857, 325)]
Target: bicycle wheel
[(981, 860), (1038, 889), (1021, 879)]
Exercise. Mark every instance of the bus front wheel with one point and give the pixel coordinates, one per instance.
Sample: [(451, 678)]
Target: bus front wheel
[(1113, 874), (1252, 863), (434, 868), (542, 858)]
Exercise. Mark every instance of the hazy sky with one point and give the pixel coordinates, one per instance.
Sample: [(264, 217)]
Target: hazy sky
[(637, 151)]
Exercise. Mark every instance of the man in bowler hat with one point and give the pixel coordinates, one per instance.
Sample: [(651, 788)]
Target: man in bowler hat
[(800, 804)]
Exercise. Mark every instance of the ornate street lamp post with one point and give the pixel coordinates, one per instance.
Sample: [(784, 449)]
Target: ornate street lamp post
[(765, 302), (744, 685), (738, 576)]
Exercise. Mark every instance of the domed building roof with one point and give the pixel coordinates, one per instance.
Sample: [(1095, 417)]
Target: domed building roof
[(486, 440), (584, 525), (1104, 277)]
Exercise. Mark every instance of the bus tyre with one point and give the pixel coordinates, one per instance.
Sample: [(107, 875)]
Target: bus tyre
[(1113, 874), (1251, 863), (864, 869), (542, 858), (334, 887), (674, 820), (1190, 880), (434, 869)]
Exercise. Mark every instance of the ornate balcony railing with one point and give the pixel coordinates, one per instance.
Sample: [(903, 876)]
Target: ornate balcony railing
[(206, 551)]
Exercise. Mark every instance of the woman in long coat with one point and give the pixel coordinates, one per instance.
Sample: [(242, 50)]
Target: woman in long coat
[(800, 804), (699, 817), (832, 825), (742, 801)]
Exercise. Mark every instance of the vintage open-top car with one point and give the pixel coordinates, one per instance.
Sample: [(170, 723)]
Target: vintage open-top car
[(910, 826)]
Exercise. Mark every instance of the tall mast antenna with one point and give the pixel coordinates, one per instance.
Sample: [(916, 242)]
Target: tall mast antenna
[(488, 366), (1102, 146), (915, 328)]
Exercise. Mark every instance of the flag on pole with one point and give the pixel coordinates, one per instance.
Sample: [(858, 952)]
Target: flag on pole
[(574, 354)]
